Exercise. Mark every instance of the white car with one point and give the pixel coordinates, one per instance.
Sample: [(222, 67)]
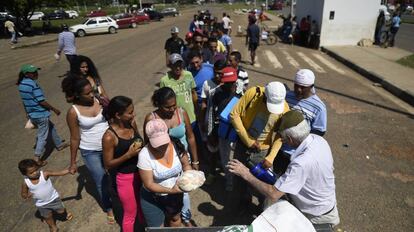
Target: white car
[(37, 15), (95, 25), (72, 13)]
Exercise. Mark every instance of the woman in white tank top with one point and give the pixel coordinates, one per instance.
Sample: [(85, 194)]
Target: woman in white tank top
[(87, 126)]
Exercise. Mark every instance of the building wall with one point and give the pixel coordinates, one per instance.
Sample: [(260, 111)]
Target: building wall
[(354, 19)]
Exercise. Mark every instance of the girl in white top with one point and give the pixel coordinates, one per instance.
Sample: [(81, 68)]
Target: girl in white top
[(159, 167), (38, 186), (87, 126)]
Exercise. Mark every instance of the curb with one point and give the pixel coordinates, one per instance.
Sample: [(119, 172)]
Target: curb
[(390, 87), (34, 43)]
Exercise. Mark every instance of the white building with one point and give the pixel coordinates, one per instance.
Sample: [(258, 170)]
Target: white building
[(341, 22)]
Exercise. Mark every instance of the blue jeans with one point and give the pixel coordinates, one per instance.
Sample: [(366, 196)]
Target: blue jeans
[(94, 163), (44, 127), (14, 37)]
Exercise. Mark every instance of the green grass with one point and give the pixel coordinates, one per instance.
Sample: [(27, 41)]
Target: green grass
[(407, 61), (411, 21)]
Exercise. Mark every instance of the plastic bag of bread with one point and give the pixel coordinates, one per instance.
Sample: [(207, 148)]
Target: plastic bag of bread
[(191, 180)]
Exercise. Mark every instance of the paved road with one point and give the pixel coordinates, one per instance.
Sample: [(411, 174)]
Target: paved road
[(369, 130), (405, 37)]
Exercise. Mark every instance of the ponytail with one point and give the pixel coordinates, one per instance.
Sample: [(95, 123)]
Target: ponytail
[(21, 77)]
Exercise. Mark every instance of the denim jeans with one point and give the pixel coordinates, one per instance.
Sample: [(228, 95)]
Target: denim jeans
[(44, 127), (94, 163), (14, 37)]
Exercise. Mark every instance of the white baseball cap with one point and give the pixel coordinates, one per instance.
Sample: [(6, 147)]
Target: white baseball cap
[(275, 93), (305, 77)]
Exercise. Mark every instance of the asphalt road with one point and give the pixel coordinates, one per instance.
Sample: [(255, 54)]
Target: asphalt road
[(405, 37), (370, 131)]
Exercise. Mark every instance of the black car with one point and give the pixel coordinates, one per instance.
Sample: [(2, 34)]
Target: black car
[(154, 15), (170, 12), (57, 15)]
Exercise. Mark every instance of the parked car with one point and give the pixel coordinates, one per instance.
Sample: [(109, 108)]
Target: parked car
[(125, 20), (37, 15), (154, 15), (56, 15), (95, 25), (73, 14), (277, 5), (96, 13), (170, 12)]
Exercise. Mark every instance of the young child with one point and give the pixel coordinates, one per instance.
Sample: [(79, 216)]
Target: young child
[(38, 186)]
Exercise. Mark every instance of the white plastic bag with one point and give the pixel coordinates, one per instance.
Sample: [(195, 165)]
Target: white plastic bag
[(29, 125), (190, 180)]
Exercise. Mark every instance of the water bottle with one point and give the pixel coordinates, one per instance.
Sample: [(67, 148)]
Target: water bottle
[(265, 175)]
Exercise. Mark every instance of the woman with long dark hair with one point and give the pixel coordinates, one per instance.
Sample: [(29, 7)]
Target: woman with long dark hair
[(84, 67), (121, 144), (87, 126)]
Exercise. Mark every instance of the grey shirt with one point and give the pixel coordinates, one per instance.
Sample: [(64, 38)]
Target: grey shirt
[(66, 43)]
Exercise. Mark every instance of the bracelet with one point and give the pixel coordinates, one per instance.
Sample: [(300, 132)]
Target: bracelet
[(195, 162)]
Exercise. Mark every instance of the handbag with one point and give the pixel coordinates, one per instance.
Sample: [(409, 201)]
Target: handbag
[(29, 125)]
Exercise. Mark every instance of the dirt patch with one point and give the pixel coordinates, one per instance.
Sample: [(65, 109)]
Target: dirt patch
[(340, 107), (403, 177)]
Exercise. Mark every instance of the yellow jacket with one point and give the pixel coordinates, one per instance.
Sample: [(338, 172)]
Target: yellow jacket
[(252, 121)]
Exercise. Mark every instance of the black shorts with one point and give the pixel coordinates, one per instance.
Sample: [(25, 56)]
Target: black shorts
[(253, 46)]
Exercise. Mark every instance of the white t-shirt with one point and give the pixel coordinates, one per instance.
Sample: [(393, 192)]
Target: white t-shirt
[(309, 177), (226, 22), (164, 176)]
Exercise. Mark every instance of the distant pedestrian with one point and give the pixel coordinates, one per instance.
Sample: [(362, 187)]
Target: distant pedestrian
[(253, 38), (314, 35), (226, 23), (66, 44), (38, 111), (304, 29), (11, 28), (37, 185), (121, 144), (87, 126), (225, 39), (395, 26), (174, 44)]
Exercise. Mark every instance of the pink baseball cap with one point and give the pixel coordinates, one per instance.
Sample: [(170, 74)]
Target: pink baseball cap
[(157, 132)]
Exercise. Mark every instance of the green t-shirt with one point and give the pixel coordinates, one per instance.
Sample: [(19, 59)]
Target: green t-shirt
[(182, 88)]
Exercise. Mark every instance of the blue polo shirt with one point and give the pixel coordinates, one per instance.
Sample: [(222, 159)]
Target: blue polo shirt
[(226, 40), (205, 73), (32, 95)]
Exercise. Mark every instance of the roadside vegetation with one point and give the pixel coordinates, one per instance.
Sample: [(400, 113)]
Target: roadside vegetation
[(407, 61)]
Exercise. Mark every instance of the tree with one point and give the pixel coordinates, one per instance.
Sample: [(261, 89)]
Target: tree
[(23, 9)]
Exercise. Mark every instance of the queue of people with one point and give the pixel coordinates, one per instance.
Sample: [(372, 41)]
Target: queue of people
[(204, 112)]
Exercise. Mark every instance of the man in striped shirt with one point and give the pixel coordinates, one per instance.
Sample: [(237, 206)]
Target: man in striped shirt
[(304, 100), (38, 110), (242, 82)]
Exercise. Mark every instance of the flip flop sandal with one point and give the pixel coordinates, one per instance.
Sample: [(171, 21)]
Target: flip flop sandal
[(110, 219), (69, 216)]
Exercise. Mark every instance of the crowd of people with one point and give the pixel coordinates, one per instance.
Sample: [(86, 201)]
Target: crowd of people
[(204, 111)]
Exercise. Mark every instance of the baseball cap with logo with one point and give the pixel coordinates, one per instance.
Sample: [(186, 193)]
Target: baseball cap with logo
[(175, 30), (174, 58), (28, 68), (157, 132), (275, 93), (229, 75)]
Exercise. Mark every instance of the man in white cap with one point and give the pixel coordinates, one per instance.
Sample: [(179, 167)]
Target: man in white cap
[(309, 179), (255, 118), (304, 100), (174, 44)]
